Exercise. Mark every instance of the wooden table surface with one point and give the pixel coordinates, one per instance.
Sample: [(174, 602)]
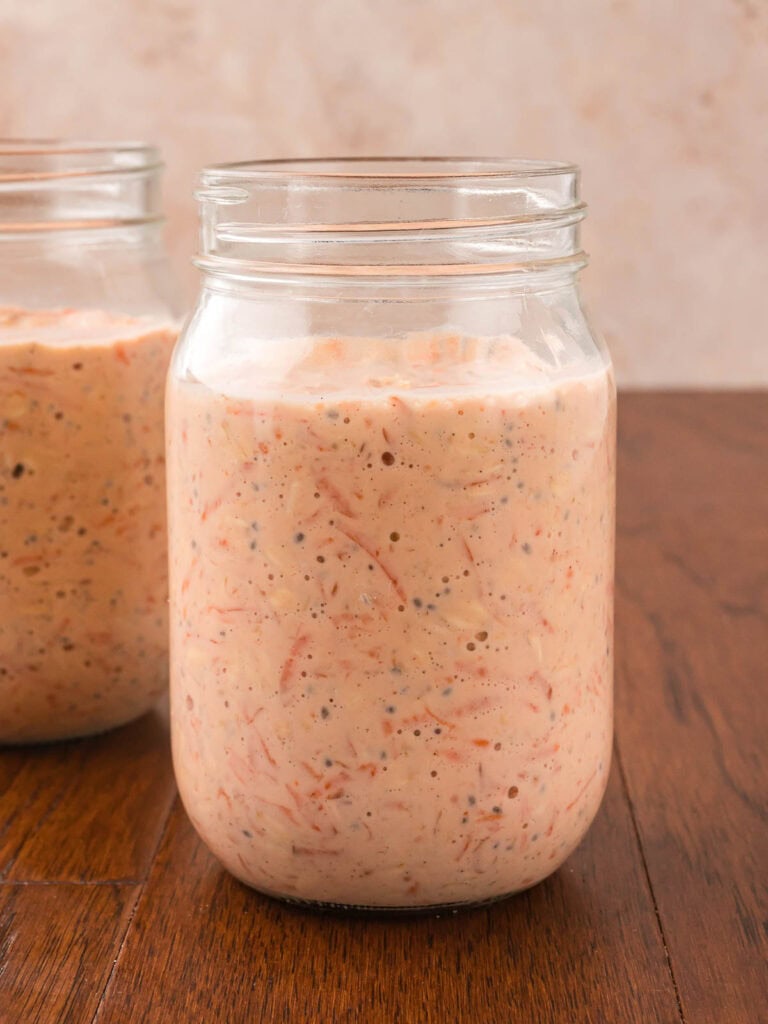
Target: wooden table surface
[(112, 911)]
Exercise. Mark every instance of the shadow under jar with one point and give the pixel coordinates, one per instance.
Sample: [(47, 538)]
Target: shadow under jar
[(391, 509), (87, 325)]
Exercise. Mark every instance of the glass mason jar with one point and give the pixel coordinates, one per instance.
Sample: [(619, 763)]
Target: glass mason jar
[(391, 512), (87, 325)]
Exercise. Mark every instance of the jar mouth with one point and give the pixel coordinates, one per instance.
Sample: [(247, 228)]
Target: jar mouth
[(69, 184), (389, 216), (405, 169)]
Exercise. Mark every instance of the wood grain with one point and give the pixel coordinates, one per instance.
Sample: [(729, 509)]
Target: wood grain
[(57, 944), (90, 810), (692, 684), (660, 917), (581, 948)]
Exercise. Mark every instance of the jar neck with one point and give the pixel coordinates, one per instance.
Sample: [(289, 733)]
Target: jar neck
[(57, 188), (400, 220), (58, 243), (282, 283)]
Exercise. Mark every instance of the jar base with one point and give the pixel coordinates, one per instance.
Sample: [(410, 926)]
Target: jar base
[(43, 737), (369, 910)]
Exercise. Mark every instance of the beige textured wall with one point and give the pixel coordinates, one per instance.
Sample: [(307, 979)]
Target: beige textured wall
[(664, 103)]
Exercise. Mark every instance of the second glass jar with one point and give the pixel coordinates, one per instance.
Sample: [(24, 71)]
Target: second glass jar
[(87, 325), (391, 506)]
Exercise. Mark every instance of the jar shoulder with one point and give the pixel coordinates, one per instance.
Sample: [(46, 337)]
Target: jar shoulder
[(299, 340)]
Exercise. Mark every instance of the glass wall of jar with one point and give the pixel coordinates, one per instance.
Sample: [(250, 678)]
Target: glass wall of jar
[(87, 324), (391, 512)]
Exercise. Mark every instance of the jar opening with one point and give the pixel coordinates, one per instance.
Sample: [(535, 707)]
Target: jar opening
[(389, 216), (59, 184)]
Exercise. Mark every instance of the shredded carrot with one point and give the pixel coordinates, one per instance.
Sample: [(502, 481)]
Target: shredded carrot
[(267, 754), (468, 550), (249, 719), (308, 768), (286, 811), (336, 780), (581, 791), (121, 355), (211, 507), (294, 796), (99, 638), (464, 849), (470, 517), (472, 706), (297, 647), (366, 547), (311, 851), (451, 755), (336, 498), (484, 480), (26, 560), (442, 721), (31, 371)]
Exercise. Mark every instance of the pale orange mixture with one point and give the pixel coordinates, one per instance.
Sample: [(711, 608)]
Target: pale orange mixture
[(391, 619), (82, 521)]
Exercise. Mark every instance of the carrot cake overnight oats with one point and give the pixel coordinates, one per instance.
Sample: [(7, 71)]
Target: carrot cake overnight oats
[(391, 583), (86, 333), (83, 616)]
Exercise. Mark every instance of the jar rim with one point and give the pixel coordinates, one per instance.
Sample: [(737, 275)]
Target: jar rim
[(441, 169), (35, 161), (64, 186), (384, 216)]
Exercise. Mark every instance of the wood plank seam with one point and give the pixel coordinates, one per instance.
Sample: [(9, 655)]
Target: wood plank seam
[(121, 944), (641, 850), (139, 894)]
